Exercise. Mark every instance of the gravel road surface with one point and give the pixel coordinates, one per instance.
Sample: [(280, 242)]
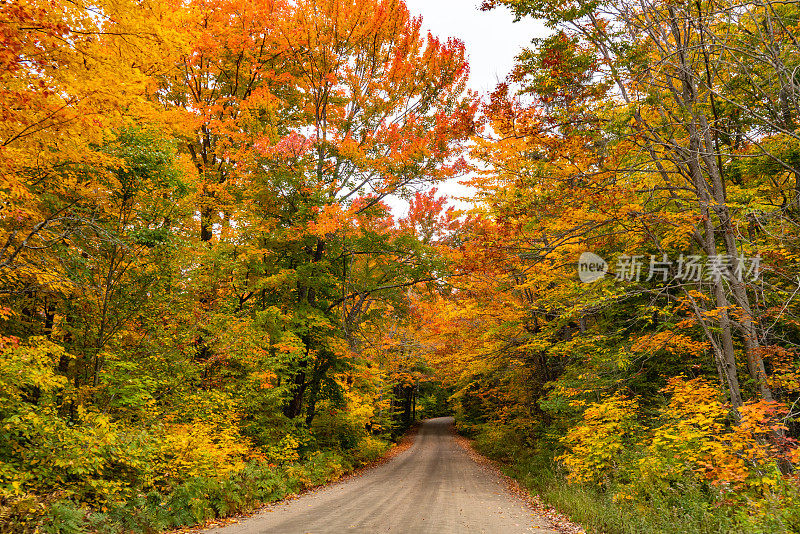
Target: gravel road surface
[(434, 487)]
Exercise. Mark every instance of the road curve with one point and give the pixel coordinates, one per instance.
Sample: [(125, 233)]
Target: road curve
[(434, 487)]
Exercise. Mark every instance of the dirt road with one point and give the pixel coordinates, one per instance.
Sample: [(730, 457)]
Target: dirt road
[(434, 487)]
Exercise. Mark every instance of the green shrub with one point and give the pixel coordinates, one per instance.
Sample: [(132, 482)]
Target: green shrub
[(337, 430), (321, 467), (64, 517), (267, 483), (369, 449)]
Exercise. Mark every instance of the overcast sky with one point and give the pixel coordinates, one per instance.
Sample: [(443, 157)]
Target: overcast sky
[(492, 39)]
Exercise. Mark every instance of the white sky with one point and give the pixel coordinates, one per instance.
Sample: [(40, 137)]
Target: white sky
[(492, 40)]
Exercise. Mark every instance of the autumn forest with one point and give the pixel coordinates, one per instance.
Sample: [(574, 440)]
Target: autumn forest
[(227, 272)]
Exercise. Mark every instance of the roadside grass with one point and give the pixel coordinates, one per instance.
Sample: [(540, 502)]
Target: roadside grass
[(687, 509), (597, 511)]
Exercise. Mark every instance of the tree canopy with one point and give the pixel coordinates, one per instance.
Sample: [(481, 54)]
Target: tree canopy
[(207, 300)]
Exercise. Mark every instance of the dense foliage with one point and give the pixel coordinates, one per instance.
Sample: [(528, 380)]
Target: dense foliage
[(197, 266), (206, 302), (662, 138)]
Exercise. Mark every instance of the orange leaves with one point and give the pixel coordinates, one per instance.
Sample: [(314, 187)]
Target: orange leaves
[(349, 220), (428, 217), (72, 76), (266, 379), (785, 371), (376, 88), (342, 98), (672, 342), (697, 436)]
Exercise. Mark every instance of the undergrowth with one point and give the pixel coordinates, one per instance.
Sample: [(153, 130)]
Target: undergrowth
[(689, 508), (193, 502)]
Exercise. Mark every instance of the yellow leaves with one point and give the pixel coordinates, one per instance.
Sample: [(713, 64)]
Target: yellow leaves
[(75, 77), (695, 438), (286, 450), (679, 236), (284, 278), (200, 449), (594, 446), (694, 400), (30, 364)]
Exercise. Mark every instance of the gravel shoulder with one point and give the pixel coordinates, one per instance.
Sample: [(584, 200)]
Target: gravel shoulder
[(432, 487)]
